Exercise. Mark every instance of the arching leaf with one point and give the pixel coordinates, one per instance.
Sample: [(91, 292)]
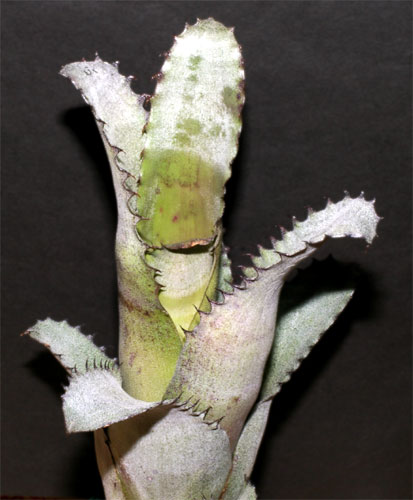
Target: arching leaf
[(223, 360)]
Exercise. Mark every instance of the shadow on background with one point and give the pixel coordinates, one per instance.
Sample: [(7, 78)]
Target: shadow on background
[(82, 125)]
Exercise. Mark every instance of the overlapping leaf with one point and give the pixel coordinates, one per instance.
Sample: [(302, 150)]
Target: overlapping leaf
[(167, 453), (96, 399), (190, 141), (223, 360), (299, 327), (149, 343), (149, 450)]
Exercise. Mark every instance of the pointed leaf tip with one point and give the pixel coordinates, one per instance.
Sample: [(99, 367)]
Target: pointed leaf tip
[(115, 105), (74, 351)]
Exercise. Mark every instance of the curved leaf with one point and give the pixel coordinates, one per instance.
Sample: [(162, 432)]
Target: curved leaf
[(115, 105), (74, 351), (299, 327), (298, 330), (96, 399), (149, 343), (167, 453), (223, 359)]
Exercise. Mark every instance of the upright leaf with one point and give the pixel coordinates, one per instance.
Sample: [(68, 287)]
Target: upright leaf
[(149, 344), (169, 454), (298, 330), (190, 141), (303, 318), (191, 138)]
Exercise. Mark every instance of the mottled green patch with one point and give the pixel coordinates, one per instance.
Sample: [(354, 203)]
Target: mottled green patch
[(191, 126), (182, 139), (216, 131), (194, 62), (231, 99), (193, 78), (179, 198)]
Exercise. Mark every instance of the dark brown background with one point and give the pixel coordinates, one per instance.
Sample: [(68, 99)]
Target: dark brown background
[(328, 109)]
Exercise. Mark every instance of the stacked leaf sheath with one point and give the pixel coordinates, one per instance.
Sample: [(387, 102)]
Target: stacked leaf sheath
[(180, 156), (184, 415)]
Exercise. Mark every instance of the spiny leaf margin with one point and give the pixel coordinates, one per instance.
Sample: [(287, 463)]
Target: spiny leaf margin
[(223, 359), (75, 351)]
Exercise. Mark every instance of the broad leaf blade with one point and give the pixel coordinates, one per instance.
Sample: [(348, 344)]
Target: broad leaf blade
[(298, 330), (75, 351), (223, 360), (167, 453), (305, 313), (191, 138)]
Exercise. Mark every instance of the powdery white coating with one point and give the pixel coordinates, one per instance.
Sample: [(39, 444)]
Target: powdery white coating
[(76, 352), (199, 81), (96, 399), (222, 362), (298, 329), (115, 104), (120, 118), (170, 454), (223, 359), (183, 274), (248, 493), (353, 217)]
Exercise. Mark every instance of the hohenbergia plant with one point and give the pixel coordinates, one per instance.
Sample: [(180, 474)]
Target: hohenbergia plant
[(183, 413)]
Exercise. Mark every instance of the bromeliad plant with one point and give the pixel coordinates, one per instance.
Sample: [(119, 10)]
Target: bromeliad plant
[(183, 413)]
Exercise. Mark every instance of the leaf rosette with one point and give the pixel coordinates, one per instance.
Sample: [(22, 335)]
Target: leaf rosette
[(183, 413)]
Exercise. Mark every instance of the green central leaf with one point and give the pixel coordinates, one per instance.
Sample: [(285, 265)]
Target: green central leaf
[(180, 194), (191, 138)]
